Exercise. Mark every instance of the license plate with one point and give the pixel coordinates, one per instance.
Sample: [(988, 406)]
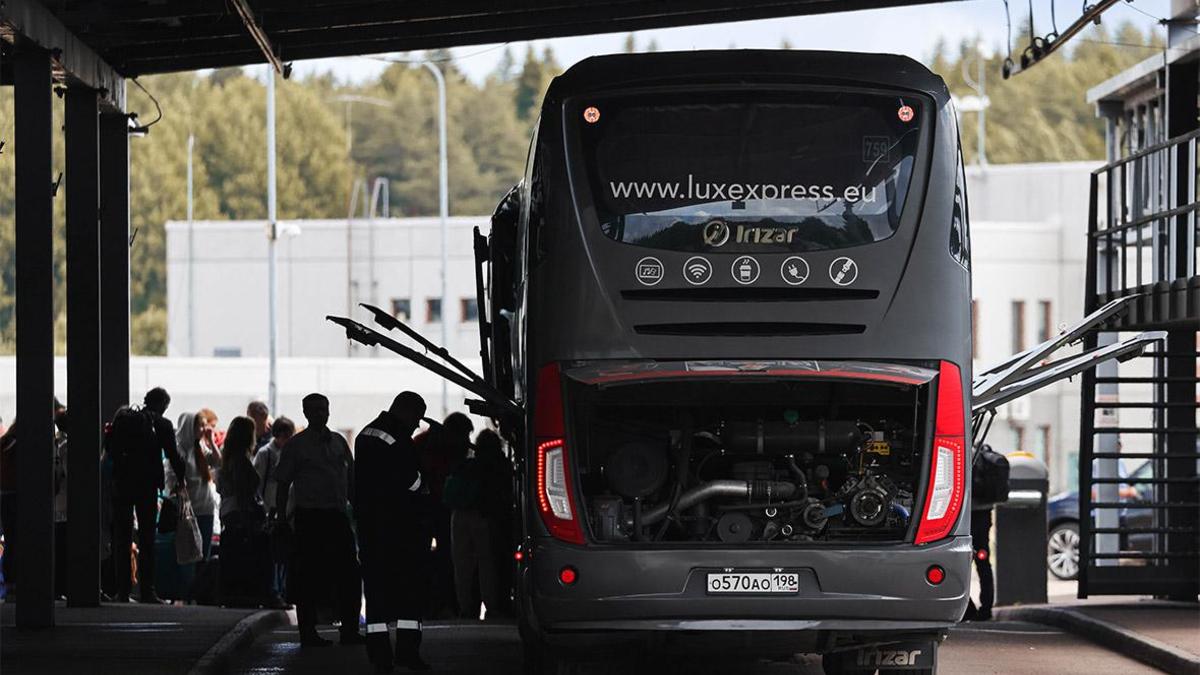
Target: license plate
[(753, 582)]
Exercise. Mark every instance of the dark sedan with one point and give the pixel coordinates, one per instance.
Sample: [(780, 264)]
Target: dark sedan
[(1062, 517)]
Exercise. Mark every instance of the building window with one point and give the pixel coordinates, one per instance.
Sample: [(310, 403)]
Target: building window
[(975, 329), (433, 310), (469, 310), (1045, 321), (1018, 326), (1018, 437), (1042, 444), (402, 308)]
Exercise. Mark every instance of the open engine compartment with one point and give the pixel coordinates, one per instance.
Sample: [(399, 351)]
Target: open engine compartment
[(728, 461)]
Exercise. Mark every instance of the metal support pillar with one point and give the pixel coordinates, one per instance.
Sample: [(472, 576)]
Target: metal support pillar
[(33, 545), (114, 268), (83, 347), (1180, 368)]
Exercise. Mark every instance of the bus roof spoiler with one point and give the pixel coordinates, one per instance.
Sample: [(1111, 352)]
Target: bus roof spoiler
[(493, 400)]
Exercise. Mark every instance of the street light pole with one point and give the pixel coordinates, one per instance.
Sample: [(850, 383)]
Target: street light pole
[(272, 235), (191, 263), (443, 208)]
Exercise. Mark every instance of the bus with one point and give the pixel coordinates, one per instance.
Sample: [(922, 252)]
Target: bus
[(731, 296), (725, 327)]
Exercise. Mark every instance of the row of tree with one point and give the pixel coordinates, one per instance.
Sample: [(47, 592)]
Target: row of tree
[(331, 132)]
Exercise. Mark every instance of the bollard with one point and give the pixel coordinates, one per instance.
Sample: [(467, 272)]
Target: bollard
[(1020, 556)]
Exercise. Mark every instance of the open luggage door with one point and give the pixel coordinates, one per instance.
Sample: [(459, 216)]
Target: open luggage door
[(1032, 369)]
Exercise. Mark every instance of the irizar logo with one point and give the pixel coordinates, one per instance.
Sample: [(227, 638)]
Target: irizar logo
[(888, 657), (716, 233)]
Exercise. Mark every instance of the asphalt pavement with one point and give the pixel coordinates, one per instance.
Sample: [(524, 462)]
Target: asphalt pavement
[(991, 648)]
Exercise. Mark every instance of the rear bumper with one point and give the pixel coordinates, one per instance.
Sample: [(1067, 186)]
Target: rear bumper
[(842, 590)]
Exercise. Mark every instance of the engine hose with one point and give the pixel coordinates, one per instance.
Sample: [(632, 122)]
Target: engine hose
[(751, 490), (799, 473), (900, 511)]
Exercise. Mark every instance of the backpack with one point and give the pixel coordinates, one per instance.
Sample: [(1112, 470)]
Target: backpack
[(989, 478), (130, 437), (464, 486)]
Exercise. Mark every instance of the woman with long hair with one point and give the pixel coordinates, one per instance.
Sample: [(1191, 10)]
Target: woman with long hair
[(201, 455), (245, 560)]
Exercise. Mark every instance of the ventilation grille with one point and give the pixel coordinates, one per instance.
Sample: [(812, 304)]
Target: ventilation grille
[(750, 328)]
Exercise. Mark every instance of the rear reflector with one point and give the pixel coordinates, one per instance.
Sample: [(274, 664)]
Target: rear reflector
[(555, 496), (935, 575), (567, 576), (947, 468)]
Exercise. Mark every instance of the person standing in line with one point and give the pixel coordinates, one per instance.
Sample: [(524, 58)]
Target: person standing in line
[(390, 504), (266, 464), (245, 566), (261, 414), (202, 457), (60, 503), (8, 506), (137, 441), (479, 492), (316, 463), (441, 448)]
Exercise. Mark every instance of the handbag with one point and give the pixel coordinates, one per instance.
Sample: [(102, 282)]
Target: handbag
[(187, 534)]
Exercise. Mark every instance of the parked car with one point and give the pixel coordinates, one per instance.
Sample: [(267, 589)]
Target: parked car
[(1062, 517)]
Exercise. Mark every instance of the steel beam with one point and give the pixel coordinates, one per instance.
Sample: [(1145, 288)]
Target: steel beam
[(83, 347), (33, 542), (73, 61), (258, 34), (114, 266)]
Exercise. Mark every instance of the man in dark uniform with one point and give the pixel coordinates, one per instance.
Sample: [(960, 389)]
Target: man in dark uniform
[(393, 532)]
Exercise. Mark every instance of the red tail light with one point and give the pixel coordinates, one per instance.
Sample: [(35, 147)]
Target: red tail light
[(947, 468), (555, 490)]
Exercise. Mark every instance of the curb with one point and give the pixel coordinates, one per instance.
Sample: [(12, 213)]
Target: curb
[(1110, 636), (216, 660)]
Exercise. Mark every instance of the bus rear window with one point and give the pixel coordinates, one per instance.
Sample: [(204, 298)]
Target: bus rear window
[(750, 172)]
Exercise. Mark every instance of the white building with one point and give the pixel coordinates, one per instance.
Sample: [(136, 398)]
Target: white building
[(324, 267), (1028, 227)]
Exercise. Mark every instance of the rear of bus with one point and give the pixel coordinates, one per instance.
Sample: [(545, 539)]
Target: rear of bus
[(746, 344)]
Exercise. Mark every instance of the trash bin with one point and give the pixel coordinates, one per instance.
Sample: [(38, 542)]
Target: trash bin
[(1020, 556)]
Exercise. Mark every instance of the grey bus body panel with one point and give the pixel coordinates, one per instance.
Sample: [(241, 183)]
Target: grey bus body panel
[(581, 303), (851, 583)]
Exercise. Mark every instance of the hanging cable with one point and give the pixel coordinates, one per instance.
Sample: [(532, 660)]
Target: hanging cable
[(144, 128), (1053, 24)]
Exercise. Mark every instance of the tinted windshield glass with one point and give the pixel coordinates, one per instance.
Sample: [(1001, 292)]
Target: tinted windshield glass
[(750, 172)]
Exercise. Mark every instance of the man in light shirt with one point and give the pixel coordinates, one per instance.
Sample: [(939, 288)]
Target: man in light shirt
[(266, 463)]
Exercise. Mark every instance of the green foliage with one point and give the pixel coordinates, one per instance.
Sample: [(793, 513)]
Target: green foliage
[(1041, 115)]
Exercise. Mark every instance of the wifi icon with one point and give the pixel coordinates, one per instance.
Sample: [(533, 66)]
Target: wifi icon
[(697, 270)]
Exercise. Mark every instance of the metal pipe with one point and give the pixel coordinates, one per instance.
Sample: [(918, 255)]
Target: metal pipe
[(443, 207), (720, 488), (272, 236), (191, 256)]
